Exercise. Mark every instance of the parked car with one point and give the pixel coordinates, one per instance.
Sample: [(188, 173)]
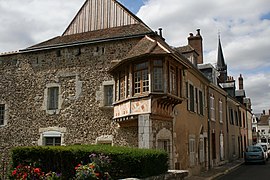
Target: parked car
[(254, 153), (266, 148)]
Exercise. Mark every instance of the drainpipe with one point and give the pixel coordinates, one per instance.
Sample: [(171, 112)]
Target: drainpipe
[(208, 128)]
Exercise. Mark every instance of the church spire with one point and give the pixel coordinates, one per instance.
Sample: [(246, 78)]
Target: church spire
[(221, 66)]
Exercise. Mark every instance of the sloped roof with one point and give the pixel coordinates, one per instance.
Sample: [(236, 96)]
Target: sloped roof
[(94, 36), (220, 58), (185, 49), (264, 120), (97, 21), (150, 46), (95, 15)]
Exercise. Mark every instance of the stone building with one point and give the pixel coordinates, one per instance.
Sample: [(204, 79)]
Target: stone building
[(110, 79)]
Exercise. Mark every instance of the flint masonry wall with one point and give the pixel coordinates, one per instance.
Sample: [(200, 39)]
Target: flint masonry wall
[(79, 72)]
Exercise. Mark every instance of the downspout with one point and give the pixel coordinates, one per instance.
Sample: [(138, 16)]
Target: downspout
[(208, 128)]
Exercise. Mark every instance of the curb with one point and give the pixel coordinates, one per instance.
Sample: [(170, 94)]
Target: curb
[(225, 172)]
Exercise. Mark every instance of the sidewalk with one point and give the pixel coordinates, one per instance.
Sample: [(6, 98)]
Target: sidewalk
[(217, 171)]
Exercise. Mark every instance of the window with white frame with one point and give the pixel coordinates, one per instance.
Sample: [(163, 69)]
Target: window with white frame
[(2, 114), (52, 138), (192, 151), (212, 107), (141, 78), (220, 107)]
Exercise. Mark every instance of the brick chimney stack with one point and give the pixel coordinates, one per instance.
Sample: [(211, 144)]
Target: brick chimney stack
[(241, 82), (196, 43)]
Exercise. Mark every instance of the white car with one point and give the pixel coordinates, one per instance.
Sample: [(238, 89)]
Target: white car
[(266, 148)]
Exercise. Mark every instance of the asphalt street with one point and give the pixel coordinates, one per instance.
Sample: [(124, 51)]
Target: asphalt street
[(249, 172)]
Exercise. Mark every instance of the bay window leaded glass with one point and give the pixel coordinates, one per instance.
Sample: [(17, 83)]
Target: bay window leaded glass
[(141, 78), (173, 83), (157, 75), (122, 85)]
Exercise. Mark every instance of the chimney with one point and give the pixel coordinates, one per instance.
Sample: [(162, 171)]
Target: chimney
[(196, 43), (160, 34), (241, 83)]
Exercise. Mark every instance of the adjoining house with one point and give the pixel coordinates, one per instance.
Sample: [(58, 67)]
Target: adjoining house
[(110, 79)]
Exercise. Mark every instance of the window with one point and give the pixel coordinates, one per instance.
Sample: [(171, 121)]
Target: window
[(192, 151), (212, 107), (2, 114), (108, 95), (220, 111), (173, 82), (52, 141), (221, 140), (53, 95), (191, 98), (164, 144), (201, 103), (231, 117), (157, 75), (141, 78), (201, 146), (122, 85)]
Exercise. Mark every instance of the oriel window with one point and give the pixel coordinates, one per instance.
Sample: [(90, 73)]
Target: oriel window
[(157, 75)]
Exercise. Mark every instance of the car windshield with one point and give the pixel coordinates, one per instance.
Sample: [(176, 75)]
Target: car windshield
[(254, 149)]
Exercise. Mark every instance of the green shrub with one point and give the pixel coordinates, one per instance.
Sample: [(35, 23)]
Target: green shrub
[(125, 162)]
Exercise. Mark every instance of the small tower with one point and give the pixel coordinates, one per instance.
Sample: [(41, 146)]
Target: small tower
[(221, 66)]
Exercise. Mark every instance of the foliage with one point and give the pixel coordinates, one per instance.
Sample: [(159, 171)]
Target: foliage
[(93, 170), (125, 162)]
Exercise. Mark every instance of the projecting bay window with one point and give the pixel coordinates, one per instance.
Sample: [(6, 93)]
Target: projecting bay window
[(141, 78), (157, 75), (2, 114), (53, 95)]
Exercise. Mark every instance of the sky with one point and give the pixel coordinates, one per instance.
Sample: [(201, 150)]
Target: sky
[(243, 26)]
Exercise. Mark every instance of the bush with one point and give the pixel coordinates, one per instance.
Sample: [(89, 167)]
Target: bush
[(125, 162)]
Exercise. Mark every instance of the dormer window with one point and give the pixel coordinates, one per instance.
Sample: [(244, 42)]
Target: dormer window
[(141, 78)]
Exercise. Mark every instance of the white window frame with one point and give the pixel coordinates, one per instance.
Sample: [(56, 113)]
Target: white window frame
[(54, 132), (46, 96)]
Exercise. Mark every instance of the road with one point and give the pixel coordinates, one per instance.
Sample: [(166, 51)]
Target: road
[(249, 172)]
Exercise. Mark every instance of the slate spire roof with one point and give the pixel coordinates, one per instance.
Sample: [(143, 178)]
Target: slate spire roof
[(220, 58)]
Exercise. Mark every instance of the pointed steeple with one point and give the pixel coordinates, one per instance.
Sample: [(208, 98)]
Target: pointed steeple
[(221, 66), (101, 14)]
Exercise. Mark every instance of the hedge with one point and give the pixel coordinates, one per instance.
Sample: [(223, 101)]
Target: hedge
[(125, 162)]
